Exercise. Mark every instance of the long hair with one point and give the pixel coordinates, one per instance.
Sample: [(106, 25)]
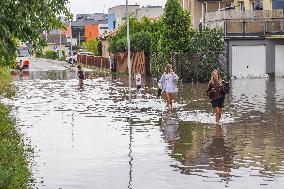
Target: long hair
[(219, 76), (168, 66)]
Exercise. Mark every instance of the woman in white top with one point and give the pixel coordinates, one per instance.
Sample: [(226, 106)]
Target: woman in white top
[(168, 83), (138, 80)]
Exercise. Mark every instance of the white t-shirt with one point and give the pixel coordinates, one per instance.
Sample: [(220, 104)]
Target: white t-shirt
[(138, 79), (169, 84)]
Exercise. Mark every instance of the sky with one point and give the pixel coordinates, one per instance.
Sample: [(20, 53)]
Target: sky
[(99, 6)]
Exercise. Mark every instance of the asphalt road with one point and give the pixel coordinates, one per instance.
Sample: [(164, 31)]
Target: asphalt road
[(38, 64)]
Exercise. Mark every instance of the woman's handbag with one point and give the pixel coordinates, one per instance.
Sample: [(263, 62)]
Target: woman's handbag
[(159, 92)]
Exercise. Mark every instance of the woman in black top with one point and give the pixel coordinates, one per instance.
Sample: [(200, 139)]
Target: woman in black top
[(216, 93)]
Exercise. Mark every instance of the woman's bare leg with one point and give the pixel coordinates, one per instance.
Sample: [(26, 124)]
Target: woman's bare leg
[(168, 99), (218, 112), (171, 99)]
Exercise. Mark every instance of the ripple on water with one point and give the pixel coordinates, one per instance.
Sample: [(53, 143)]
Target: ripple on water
[(95, 134)]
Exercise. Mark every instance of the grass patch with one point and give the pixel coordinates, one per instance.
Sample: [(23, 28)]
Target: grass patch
[(6, 88), (14, 171)]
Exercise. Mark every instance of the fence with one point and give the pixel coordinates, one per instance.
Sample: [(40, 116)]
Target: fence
[(190, 67), (96, 61)]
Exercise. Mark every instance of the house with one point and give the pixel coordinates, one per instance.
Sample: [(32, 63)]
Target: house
[(83, 30), (97, 18), (117, 14), (254, 33), (55, 42)]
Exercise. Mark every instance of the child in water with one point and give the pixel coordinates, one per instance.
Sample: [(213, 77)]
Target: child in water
[(81, 76)]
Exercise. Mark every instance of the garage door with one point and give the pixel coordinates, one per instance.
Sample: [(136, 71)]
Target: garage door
[(248, 60), (279, 60)]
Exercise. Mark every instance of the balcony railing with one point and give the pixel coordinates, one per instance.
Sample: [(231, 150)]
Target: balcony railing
[(244, 15), (254, 28), (247, 23)]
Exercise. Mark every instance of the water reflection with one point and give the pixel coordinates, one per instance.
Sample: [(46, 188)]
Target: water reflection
[(169, 128), (96, 134)]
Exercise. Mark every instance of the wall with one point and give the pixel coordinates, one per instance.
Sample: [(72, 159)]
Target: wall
[(150, 12), (195, 10), (54, 46), (91, 31), (103, 28), (111, 20), (119, 12), (267, 5)]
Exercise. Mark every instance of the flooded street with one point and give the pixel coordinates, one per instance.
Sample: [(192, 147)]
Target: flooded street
[(95, 138)]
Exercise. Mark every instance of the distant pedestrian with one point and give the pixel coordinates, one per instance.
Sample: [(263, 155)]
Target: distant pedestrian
[(81, 76), (168, 84), (138, 80), (216, 93)]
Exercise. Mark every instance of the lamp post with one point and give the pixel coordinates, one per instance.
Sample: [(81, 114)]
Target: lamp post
[(128, 51)]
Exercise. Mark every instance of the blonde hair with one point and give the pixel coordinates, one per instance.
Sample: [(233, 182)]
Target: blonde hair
[(212, 74), (167, 67)]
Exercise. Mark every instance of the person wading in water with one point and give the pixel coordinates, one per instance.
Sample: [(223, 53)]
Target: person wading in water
[(168, 83), (81, 76), (216, 93)]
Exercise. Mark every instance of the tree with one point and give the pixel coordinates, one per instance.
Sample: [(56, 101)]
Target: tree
[(144, 34), (176, 28), (24, 20), (92, 46)]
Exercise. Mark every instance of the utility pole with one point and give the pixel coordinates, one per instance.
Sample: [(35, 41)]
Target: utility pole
[(59, 52), (128, 51), (71, 53)]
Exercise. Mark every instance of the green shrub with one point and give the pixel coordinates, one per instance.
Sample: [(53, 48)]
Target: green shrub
[(14, 172), (50, 54)]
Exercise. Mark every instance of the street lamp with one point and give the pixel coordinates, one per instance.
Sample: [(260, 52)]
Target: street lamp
[(128, 51)]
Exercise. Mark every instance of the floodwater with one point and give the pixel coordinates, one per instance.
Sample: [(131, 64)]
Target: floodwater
[(93, 137)]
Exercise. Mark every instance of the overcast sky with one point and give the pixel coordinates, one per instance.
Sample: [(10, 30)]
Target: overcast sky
[(98, 6)]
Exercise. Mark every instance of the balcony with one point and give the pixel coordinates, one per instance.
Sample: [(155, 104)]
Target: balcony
[(260, 23)]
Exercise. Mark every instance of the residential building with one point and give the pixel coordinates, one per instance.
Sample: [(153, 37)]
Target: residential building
[(254, 33), (83, 30), (98, 18), (152, 12), (91, 17), (55, 42), (117, 14), (197, 8)]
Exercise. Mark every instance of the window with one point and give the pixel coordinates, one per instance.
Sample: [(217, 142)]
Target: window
[(277, 4), (257, 5), (241, 5)]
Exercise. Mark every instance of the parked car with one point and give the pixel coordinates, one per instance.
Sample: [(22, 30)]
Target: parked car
[(23, 58)]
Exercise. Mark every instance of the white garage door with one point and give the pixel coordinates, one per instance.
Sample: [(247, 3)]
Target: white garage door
[(279, 60), (248, 60)]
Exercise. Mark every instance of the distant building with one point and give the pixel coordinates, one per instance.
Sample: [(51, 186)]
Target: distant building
[(117, 14), (55, 42), (91, 17), (100, 19), (149, 12)]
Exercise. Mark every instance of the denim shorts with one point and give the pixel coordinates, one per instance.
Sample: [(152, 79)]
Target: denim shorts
[(218, 103)]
